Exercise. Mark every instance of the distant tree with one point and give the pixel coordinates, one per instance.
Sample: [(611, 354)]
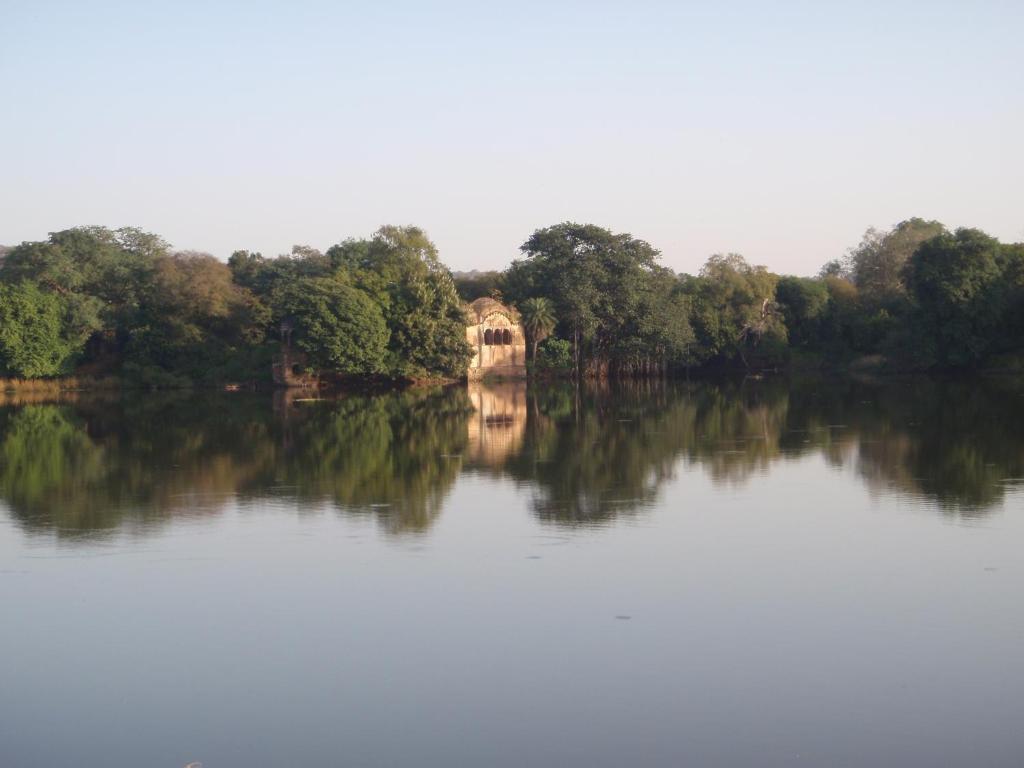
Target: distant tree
[(600, 284), (917, 294), (840, 323), (956, 282), (263, 276), (538, 315), (475, 285), (674, 336), (400, 270), (247, 269), (100, 271), (1011, 334), (728, 297), (803, 302), (33, 338), (307, 252), (877, 263), (835, 268), (135, 241), (337, 325), (662, 334), (192, 315)]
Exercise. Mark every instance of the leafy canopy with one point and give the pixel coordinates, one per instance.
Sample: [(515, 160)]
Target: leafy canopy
[(33, 338)]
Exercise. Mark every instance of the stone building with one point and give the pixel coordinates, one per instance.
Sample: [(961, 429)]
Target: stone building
[(496, 335)]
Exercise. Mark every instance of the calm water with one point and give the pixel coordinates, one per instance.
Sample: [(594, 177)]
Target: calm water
[(759, 573)]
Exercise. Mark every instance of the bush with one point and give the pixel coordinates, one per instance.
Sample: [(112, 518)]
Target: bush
[(554, 354)]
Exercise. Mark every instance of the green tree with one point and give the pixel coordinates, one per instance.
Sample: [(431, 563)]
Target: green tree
[(400, 270), (730, 297), (877, 263), (664, 320), (102, 272), (475, 285), (337, 325), (554, 354), (604, 288), (1011, 334), (263, 276), (803, 302), (538, 319), (956, 282), (193, 318), (33, 338)]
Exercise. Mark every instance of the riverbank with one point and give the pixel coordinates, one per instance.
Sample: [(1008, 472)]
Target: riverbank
[(72, 384), (64, 384), (800, 363)]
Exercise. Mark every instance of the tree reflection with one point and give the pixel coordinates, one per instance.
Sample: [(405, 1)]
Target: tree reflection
[(46, 461), (952, 441), (597, 454), (98, 466), (587, 455), (392, 456)]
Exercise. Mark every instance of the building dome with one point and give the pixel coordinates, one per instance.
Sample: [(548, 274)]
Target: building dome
[(478, 310)]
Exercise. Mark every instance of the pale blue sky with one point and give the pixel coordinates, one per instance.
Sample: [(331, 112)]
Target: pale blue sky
[(780, 130)]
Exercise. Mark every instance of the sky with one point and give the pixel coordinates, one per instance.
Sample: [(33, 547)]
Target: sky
[(778, 130)]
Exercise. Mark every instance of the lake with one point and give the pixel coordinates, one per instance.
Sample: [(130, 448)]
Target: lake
[(773, 572)]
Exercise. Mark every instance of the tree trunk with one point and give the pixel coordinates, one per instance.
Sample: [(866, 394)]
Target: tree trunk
[(576, 350)]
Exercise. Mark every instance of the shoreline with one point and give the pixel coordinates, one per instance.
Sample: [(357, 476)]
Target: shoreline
[(72, 385)]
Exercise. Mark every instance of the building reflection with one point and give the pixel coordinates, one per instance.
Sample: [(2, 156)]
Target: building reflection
[(498, 425)]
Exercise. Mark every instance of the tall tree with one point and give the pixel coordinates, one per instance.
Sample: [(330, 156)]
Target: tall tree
[(956, 282), (399, 268), (339, 326), (598, 282), (730, 296), (803, 302), (101, 272), (538, 315), (475, 284), (192, 316), (877, 263)]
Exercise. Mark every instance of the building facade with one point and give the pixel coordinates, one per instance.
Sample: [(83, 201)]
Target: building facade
[(496, 335)]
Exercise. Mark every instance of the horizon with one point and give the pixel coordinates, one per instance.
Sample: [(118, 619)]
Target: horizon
[(781, 134)]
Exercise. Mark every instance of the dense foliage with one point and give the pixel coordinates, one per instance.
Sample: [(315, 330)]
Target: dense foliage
[(913, 297), (33, 342), (123, 301), (622, 312), (338, 326), (593, 302)]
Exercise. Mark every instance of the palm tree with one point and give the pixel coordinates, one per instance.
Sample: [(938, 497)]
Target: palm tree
[(538, 320)]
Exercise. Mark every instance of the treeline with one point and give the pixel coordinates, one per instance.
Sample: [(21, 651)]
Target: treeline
[(95, 301), (917, 297)]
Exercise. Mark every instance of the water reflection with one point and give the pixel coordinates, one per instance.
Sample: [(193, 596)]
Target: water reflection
[(498, 424), (587, 456)]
